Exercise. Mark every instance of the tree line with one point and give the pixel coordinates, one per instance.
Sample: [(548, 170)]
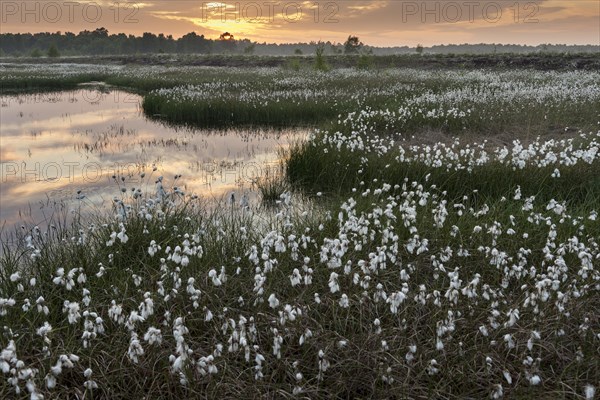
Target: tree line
[(100, 42)]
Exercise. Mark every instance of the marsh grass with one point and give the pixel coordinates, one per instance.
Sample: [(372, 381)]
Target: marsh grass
[(27, 83), (359, 368), (320, 99), (458, 275), (224, 97), (235, 113), (319, 168), (271, 188)]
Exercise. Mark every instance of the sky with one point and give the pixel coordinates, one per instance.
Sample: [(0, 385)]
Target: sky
[(376, 22)]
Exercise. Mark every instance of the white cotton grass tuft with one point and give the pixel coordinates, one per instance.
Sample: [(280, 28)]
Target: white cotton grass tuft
[(535, 380), (333, 282), (497, 392), (89, 384), (153, 336), (513, 317), (344, 301), (135, 349), (216, 281), (273, 302), (589, 392)]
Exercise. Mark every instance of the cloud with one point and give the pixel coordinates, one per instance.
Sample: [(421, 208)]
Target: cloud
[(377, 22), (366, 7)]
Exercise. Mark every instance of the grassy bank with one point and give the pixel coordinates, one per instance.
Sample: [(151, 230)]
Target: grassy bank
[(505, 61), (320, 167), (392, 100), (477, 130), (394, 293)]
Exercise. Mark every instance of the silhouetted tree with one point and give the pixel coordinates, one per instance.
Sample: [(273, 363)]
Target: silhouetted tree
[(352, 45), (99, 41)]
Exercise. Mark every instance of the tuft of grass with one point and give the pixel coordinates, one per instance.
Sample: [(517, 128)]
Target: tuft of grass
[(271, 188)]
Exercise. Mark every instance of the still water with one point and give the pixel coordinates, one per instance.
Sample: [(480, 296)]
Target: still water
[(78, 149)]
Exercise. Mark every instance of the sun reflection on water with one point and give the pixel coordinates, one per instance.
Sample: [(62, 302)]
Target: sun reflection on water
[(59, 148)]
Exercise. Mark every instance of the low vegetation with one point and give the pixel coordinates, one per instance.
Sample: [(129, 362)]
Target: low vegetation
[(438, 237)]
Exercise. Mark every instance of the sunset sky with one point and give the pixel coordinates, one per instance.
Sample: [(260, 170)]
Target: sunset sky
[(378, 22)]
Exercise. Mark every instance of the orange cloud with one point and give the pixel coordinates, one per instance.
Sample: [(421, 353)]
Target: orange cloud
[(378, 22)]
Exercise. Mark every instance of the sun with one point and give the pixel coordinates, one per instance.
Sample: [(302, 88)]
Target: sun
[(226, 36)]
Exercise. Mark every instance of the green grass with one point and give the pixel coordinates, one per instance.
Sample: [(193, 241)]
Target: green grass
[(356, 370), (224, 97), (28, 83), (271, 188), (319, 168), (373, 208), (227, 113)]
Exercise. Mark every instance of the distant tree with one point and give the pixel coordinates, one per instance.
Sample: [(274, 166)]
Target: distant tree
[(165, 43), (36, 53), (53, 51), (419, 49), (192, 43), (148, 42), (226, 43), (352, 45), (102, 32), (320, 62), (298, 52)]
